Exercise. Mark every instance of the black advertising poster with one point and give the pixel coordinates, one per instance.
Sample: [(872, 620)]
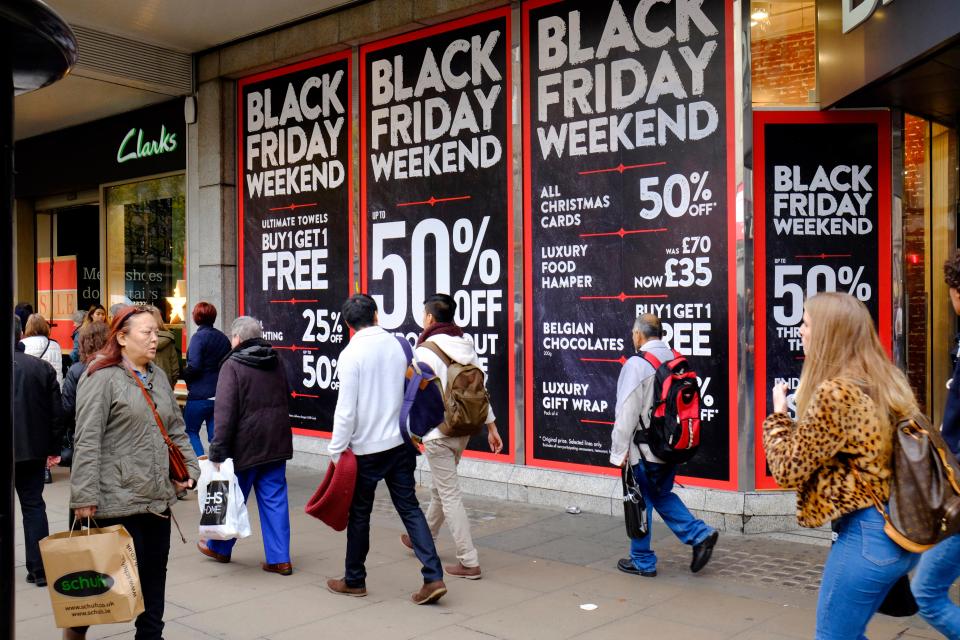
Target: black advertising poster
[(629, 210), (822, 223), (295, 194), (436, 189)]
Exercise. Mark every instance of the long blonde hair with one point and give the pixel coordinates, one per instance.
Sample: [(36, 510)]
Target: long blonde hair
[(843, 343)]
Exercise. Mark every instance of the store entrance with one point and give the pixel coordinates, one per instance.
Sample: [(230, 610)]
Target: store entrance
[(68, 266), (929, 239)]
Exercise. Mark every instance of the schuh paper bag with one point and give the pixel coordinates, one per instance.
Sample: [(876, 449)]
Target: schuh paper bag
[(92, 576), (223, 511)]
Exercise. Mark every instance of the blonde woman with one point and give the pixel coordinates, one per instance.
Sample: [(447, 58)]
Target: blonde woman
[(37, 342), (838, 451)]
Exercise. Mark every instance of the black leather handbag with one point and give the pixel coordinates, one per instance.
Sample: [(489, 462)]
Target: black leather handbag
[(634, 506)]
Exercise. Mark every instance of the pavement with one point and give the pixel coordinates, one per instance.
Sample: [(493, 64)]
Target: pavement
[(546, 574)]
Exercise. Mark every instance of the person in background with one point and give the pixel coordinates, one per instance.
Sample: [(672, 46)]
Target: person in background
[(78, 317), (37, 434), (371, 370), (114, 310), (444, 452), (168, 356), (96, 313), (121, 469), (37, 343), (253, 428), (635, 400), (91, 339), (939, 567), (23, 311), (837, 454), (207, 349)]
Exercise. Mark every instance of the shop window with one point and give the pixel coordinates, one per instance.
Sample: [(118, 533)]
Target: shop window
[(783, 51), (146, 246)]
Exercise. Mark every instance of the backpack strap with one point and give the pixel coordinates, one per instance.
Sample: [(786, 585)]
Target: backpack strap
[(652, 359), (432, 346), (407, 349)]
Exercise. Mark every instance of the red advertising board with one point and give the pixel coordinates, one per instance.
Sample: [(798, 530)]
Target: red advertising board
[(57, 297)]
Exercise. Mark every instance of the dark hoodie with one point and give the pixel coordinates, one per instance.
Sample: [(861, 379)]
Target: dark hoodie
[(251, 413)]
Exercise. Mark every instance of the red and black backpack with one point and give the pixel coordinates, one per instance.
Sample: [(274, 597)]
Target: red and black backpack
[(672, 431)]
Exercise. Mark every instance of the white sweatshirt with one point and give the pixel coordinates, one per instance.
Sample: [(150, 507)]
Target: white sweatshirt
[(458, 349), (371, 371), (50, 350)]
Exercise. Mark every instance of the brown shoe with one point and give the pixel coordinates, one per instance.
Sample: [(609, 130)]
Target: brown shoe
[(341, 587), (210, 553), (283, 568), (405, 541), (72, 634), (429, 593), (460, 571)]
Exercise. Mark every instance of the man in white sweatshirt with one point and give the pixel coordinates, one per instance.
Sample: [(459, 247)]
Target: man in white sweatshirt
[(371, 371), (444, 452)]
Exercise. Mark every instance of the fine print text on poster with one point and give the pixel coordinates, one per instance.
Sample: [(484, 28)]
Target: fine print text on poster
[(295, 221), (436, 184), (627, 212), (822, 224)]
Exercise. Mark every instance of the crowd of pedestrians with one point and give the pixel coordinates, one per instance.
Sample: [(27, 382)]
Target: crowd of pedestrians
[(834, 448)]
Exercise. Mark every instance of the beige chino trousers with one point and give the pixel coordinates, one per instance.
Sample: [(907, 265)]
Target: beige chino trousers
[(446, 503)]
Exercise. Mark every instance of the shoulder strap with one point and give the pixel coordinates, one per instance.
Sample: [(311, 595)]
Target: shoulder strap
[(407, 351), (45, 347), (153, 407), (652, 359), (432, 346)]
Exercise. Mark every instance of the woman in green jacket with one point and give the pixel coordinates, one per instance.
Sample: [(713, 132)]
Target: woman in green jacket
[(120, 467)]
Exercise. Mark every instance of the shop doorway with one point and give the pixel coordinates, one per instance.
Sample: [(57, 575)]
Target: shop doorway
[(67, 266), (929, 239)]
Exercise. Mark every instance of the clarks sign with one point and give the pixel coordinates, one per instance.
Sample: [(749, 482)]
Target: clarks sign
[(855, 14), (134, 146)]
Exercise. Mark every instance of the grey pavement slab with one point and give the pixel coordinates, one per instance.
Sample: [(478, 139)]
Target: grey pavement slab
[(540, 567)]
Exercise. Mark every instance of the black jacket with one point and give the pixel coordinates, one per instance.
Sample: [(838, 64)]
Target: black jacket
[(69, 395), (37, 410), (251, 412)]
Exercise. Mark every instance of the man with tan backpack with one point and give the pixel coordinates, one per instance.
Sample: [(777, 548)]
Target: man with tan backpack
[(451, 355)]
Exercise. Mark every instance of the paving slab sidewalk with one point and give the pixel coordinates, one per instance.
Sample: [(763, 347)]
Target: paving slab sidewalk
[(540, 567)]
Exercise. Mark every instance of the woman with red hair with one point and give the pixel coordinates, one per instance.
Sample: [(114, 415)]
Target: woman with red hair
[(121, 471), (207, 349)]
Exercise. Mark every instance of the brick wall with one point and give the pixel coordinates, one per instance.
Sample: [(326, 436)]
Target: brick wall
[(914, 226), (784, 70)]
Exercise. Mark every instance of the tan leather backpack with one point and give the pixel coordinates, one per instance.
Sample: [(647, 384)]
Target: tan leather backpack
[(465, 399)]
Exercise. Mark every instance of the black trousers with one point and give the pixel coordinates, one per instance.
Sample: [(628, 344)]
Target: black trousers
[(151, 541), (28, 480)]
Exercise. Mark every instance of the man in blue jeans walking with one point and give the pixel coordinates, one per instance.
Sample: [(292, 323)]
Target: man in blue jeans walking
[(939, 567), (371, 371), (635, 389)]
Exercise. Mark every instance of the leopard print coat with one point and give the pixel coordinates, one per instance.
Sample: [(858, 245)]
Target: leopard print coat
[(841, 430)]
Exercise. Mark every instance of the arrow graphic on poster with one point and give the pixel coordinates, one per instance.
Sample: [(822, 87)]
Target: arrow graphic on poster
[(294, 348), (620, 168), (584, 420), (293, 301), (621, 232), (433, 200), (623, 297), (294, 394), (292, 207), (620, 360)]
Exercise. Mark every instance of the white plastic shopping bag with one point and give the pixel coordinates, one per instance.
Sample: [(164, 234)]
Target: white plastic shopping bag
[(223, 512)]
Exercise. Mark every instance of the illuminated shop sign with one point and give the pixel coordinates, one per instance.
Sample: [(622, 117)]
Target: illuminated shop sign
[(135, 147)]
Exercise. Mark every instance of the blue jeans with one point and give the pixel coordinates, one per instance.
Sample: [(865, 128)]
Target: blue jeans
[(862, 566), (195, 413), (656, 485), (938, 569), (395, 467), (270, 482)]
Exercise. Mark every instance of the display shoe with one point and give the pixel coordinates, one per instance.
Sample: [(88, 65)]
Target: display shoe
[(429, 593), (283, 568), (460, 571), (703, 551), (340, 587)]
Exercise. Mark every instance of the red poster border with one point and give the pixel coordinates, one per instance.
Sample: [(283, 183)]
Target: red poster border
[(265, 75), (760, 119), (494, 14), (733, 424)]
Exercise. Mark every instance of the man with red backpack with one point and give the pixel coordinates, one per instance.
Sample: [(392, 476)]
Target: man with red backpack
[(656, 418), (451, 354)]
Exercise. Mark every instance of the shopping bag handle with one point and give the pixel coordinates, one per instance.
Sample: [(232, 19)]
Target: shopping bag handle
[(73, 526)]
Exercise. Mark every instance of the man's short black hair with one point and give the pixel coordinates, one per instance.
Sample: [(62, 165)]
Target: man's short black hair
[(17, 329), (441, 306), (358, 311)]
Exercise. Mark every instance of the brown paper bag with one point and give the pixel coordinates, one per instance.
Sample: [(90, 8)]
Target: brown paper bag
[(92, 576)]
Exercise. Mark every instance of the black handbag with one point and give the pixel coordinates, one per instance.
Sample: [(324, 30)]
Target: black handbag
[(66, 450), (634, 506), (899, 602)]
